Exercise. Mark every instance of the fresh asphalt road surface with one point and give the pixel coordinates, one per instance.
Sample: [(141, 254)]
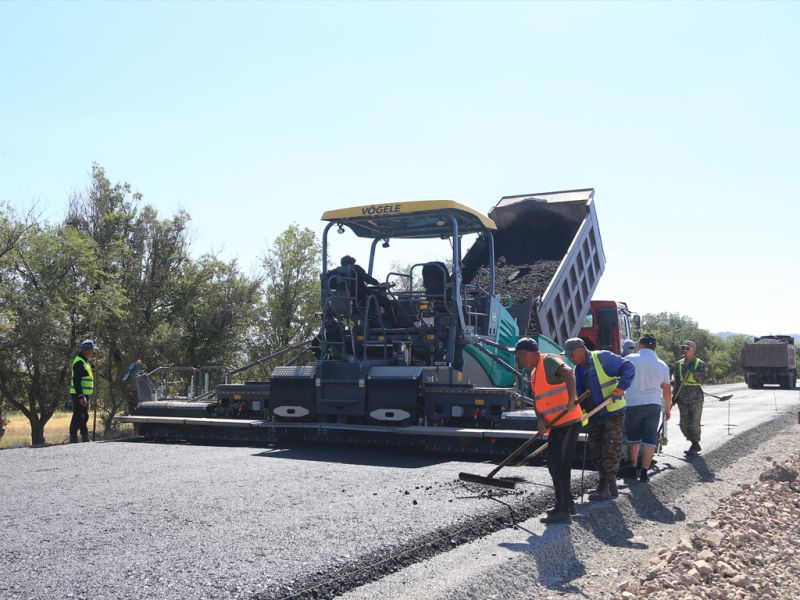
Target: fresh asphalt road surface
[(136, 520)]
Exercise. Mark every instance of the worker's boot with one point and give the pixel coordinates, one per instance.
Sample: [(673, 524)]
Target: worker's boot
[(572, 509), (73, 439), (612, 488), (602, 492), (630, 472), (560, 517), (694, 449)]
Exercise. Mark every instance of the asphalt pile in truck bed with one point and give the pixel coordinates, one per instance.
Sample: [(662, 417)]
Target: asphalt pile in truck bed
[(527, 252), (518, 281)]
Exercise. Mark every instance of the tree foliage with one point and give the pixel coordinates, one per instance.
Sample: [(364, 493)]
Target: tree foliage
[(117, 272), (291, 288), (45, 278)]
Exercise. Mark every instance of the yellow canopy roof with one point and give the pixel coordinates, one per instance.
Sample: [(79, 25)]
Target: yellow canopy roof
[(415, 219)]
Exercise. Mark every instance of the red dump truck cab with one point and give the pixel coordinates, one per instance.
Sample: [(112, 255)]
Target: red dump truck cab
[(608, 324)]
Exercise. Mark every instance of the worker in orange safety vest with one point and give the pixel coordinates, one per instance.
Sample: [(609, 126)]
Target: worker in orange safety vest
[(557, 411)]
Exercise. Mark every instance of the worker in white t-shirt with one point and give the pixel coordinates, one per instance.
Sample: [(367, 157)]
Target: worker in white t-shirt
[(649, 395)]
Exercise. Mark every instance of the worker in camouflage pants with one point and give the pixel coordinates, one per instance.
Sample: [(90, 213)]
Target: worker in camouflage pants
[(605, 447), (688, 374), (607, 376)]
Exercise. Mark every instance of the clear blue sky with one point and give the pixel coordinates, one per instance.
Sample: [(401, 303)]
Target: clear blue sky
[(682, 116)]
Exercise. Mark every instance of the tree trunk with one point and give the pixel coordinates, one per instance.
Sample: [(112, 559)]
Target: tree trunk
[(37, 431)]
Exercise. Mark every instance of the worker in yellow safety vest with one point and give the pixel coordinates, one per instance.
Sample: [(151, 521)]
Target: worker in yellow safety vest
[(556, 405), (689, 373), (81, 389), (607, 375)]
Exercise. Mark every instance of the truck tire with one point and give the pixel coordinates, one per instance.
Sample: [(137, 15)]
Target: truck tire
[(785, 381), (754, 383)]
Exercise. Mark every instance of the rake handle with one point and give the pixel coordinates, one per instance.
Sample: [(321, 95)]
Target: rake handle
[(528, 443), (588, 415)]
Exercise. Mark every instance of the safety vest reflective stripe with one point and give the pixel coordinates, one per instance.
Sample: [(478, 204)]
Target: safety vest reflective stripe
[(551, 400), (555, 390), (690, 379), (607, 384), (555, 409), (87, 381)]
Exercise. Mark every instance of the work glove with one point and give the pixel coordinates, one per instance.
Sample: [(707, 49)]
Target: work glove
[(82, 400), (617, 394)]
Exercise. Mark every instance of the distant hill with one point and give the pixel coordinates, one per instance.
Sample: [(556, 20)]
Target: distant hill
[(726, 334)]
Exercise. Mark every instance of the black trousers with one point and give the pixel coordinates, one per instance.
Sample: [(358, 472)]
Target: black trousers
[(560, 453), (80, 419)]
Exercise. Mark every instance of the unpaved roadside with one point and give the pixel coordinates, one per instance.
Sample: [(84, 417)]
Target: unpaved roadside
[(746, 549)]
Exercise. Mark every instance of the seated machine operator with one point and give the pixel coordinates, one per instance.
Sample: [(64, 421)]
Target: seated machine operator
[(390, 312)]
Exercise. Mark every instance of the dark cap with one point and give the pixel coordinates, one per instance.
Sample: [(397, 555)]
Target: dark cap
[(525, 343), (629, 344), (648, 339), (573, 344), (688, 344)]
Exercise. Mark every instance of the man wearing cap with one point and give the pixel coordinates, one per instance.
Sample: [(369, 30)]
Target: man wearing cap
[(556, 405), (628, 347), (348, 267), (607, 375), (688, 374), (648, 395), (81, 390)]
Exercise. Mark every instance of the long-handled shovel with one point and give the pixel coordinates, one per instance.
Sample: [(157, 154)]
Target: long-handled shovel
[(490, 479), (662, 436), (724, 398)]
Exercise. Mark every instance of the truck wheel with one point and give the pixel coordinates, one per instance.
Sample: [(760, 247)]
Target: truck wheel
[(785, 381), (754, 383)]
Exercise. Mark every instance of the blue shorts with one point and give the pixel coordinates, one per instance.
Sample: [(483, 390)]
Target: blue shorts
[(641, 424)]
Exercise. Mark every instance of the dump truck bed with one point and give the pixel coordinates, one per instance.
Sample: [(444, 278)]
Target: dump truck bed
[(549, 259), (768, 353)]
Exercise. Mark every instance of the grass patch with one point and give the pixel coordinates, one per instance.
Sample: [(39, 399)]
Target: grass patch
[(56, 431)]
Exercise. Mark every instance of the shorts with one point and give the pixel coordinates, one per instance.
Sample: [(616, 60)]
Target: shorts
[(641, 424)]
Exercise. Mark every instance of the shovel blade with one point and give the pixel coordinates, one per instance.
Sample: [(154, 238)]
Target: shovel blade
[(503, 483)]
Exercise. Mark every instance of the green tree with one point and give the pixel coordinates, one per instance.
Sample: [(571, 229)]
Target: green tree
[(45, 281), (216, 305), (12, 230), (131, 306), (291, 275), (725, 362)]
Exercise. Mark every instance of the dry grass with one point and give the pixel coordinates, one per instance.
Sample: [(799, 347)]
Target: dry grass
[(18, 430)]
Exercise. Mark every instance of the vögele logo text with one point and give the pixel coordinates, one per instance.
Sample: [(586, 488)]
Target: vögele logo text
[(380, 209)]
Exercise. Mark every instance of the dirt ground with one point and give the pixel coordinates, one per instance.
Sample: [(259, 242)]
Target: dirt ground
[(18, 429)]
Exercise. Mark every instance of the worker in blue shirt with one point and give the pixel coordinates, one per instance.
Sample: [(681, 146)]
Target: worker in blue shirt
[(607, 375)]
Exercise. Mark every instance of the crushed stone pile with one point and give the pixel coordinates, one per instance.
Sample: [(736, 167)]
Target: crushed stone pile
[(747, 548)]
